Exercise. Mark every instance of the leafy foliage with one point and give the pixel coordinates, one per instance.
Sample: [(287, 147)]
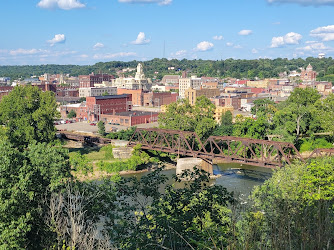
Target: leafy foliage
[(223, 68), (101, 128), (294, 209), (182, 116), (195, 216), (122, 135), (71, 114), (28, 115), (26, 178)]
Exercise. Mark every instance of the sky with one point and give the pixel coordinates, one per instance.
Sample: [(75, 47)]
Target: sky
[(85, 32)]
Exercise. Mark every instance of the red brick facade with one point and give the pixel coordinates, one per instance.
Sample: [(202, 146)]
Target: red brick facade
[(87, 81)]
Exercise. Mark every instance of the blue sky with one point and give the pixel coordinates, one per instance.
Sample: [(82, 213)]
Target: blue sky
[(89, 31)]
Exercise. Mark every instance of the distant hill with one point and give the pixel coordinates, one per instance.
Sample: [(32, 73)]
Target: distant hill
[(156, 68)]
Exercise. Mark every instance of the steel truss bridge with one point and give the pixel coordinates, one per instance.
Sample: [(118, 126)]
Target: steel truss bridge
[(263, 153)]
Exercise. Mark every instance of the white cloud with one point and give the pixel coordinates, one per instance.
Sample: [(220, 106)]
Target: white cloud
[(61, 4), (314, 46), (98, 46), (305, 2), (115, 55), (218, 38), (141, 39), (276, 23), (237, 46), (26, 52), (254, 51), (178, 54), (229, 44), (290, 38), (204, 46), (59, 38), (245, 32), (83, 56), (160, 2), (325, 33)]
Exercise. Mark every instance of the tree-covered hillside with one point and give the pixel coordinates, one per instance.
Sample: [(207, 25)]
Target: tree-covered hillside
[(262, 68)]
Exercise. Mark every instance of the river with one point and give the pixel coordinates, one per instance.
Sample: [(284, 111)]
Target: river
[(235, 177)]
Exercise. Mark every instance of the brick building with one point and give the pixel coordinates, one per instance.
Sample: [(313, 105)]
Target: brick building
[(130, 118), (137, 95), (156, 99), (98, 105), (87, 81), (193, 94), (308, 75)]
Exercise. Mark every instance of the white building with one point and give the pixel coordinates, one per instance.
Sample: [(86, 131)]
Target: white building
[(138, 82), (186, 83), (97, 91)]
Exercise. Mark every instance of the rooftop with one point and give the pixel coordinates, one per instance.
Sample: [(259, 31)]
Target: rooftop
[(134, 113), (111, 97)]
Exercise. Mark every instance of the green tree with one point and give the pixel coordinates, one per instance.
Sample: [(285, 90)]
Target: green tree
[(101, 127), (178, 116), (251, 128), (264, 108), (28, 115), (324, 112), (71, 114), (195, 216), (293, 209), (295, 114), (26, 179), (82, 99), (226, 125), (182, 116)]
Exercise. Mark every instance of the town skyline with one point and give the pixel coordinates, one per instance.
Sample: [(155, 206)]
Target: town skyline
[(87, 32)]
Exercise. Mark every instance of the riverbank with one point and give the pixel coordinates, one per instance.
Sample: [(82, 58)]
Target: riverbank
[(98, 174)]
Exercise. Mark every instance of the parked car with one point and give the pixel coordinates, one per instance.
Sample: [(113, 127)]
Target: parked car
[(92, 124)]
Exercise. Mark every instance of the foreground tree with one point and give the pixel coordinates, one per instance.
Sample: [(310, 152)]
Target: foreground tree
[(194, 216), (26, 179), (293, 210), (28, 115)]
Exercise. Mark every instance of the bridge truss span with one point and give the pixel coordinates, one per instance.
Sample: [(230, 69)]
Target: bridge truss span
[(270, 154)]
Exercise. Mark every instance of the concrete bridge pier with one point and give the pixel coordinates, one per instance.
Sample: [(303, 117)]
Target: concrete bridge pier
[(190, 163)]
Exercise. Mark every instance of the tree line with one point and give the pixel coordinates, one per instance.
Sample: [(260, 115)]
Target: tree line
[(157, 68)]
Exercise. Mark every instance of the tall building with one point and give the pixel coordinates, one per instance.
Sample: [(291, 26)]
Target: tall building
[(186, 83), (95, 91), (97, 105), (137, 82), (308, 75), (192, 94), (87, 81)]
